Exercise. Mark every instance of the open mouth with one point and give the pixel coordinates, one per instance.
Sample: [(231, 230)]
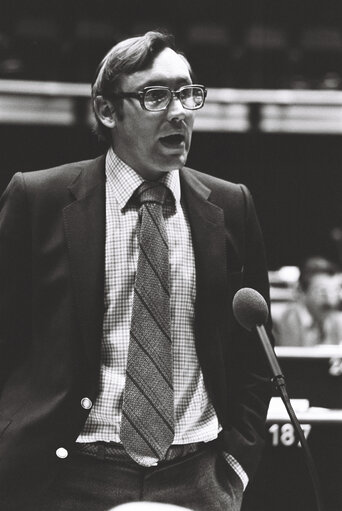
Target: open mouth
[(173, 140)]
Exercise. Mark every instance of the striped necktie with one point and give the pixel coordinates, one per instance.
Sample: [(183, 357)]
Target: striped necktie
[(147, 424)]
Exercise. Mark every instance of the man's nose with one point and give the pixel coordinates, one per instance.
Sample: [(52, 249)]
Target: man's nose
[(175, 109)]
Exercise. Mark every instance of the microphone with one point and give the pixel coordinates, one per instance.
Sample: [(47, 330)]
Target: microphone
[(251, 312)]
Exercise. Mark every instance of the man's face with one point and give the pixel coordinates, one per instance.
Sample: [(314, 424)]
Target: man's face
[(323, 292), (140, 137)]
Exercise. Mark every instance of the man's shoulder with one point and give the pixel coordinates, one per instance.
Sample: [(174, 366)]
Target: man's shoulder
[(220, 191), (60, 175), (212, 181)]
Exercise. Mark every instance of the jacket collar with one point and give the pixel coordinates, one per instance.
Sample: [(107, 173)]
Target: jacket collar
[(84, 223), (90, 174), (209, 242)]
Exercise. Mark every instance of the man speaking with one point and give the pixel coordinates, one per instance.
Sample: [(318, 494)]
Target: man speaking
[(124, 376)]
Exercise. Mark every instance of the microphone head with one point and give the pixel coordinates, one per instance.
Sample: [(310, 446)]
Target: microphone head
[(250, 308)]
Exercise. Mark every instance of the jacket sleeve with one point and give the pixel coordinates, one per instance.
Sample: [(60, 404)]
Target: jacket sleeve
[(15, 277), (248, 372)]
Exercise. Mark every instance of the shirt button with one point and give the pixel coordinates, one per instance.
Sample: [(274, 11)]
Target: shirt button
[(86, 403), (62, 453)]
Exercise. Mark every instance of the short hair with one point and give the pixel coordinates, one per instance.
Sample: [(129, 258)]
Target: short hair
[(315, 265), (126, 57)]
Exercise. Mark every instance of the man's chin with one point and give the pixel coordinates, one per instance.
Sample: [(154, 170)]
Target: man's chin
[(175, 162)]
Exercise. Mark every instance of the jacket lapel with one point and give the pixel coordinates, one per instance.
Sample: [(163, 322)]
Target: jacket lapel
[(208, 236), (84, 222)]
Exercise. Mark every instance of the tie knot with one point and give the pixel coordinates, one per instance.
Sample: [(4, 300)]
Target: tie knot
[(151, 191)]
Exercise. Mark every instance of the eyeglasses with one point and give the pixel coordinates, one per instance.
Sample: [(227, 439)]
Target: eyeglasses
[(157, 98)]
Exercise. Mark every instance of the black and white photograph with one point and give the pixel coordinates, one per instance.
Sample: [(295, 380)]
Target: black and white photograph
[(170, 255)]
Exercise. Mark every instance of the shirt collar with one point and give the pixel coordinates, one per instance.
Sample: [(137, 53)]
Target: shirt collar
[(124, 181)]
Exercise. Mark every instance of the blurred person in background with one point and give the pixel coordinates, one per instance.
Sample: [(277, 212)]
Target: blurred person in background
[(124, 375), (314, 317)]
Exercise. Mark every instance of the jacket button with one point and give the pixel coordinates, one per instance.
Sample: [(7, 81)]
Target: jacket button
[(62, 453), (86, 403)]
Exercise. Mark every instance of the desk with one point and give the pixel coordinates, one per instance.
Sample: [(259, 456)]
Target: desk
[(282, 482), (313, 373)]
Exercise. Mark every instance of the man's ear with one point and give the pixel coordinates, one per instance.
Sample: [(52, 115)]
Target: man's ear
[(105, 111)]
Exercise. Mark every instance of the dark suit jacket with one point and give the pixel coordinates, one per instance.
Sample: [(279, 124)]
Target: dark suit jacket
[(52, 239)]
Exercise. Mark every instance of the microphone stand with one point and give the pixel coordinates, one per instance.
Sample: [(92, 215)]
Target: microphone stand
[(279, 384)]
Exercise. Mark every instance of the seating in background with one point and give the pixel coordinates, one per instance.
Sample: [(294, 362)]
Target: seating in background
[(36, 47), (247, 55), (209, 49), (266, 58), (320, 57), (89, 42)]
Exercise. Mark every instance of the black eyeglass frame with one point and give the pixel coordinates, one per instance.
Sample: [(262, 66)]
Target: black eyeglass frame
[(140, 95)]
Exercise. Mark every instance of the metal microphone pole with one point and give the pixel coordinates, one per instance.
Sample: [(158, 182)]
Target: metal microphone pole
[(279, 384)]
